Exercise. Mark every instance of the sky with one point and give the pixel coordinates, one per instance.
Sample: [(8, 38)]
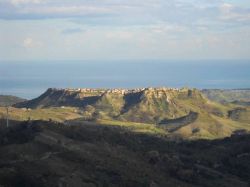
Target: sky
[(124, 29)]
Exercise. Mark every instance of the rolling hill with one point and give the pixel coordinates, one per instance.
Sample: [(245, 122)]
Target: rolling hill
[(8, 100), (237, 96)]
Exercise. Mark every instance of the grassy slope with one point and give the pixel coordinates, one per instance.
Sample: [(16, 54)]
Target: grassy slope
[(209, 126), (109, 105), (145, 128), (211, 123), (146, 112), (55, 114), (8, 100)]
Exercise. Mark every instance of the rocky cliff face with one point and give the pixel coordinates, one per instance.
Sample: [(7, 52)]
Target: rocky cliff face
[(181, 112), (62, 97), (139, 105), (82, 97)]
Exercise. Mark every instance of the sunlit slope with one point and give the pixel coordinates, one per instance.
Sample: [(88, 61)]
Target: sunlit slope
[(211, 127), (173, 112), (55, 114), (139, 105)]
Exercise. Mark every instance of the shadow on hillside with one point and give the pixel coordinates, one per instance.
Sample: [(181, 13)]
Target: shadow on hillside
[(3, 123), (41, 153), (177, 123)]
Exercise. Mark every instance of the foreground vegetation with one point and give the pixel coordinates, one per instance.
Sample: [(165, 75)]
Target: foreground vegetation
[(38, 153)]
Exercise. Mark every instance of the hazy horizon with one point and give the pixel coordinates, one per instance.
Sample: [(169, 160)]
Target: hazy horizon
[(29, 80)]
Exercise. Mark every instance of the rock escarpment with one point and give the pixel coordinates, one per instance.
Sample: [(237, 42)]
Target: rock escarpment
[(138, 105)]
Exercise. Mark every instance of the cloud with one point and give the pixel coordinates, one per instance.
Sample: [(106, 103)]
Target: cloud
[(37, 9), (124, 35), (232, 13), (167, 28), (72, 31), (118, 28), (31, 43), (18, 2), (137, 12), (66, 10)]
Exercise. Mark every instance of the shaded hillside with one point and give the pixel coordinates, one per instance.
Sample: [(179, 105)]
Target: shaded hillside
[(8, 100), (239, 96), (62, 97), (51, 154), (175, 124)]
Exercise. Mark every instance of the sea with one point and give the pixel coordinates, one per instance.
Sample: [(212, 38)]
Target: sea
[(29, 79)]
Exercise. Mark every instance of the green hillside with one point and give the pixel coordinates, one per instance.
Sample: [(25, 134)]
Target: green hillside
[(8, 100)]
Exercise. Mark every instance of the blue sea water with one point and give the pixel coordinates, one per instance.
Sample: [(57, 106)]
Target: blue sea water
[(30, 79)]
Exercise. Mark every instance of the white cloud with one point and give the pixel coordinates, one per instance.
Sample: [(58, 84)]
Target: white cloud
[(117, 28), (230, 12), (226, 8), (64, 11), (119, 35), (31, 43), (18, 2), (167, 28)]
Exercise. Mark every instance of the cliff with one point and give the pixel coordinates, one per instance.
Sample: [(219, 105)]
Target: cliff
[(139, 105)]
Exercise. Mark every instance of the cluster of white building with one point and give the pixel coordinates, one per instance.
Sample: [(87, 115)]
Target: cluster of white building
[(120, 91)]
